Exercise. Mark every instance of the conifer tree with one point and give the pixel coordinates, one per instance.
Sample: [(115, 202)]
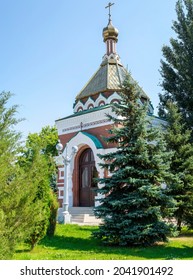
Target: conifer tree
[(26, 198), (176, 67), (181, 189), (132, 201), (37, 161), (16, 211), (38, 179)]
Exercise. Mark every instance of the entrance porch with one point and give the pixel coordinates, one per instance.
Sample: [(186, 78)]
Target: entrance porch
[(80, 216)]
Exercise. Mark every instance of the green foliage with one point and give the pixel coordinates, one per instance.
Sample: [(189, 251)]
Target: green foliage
[(40, 225), (38, 175), (46, 139), (26, 173), (46, 142), (16, 213), (73, 242), (178, 141), (53, 206), (133, 202), (37, 160), (176, 68)]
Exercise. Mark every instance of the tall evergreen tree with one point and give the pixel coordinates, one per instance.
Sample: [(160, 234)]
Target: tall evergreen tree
[(132, 200), (38, 178), (176, 67), (37, 160), (178, 141), (27, 203), (16, 212)]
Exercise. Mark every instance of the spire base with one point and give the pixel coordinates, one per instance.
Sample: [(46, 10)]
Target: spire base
[(112, 58)]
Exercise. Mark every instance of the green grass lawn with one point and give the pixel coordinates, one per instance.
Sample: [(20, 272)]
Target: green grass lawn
[(73, 242)]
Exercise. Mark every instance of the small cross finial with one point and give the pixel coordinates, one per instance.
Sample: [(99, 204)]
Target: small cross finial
[(109, 6)]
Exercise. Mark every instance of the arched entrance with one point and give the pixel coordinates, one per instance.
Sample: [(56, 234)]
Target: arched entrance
[(87, 171)]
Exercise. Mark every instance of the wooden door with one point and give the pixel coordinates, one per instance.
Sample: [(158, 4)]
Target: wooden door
[(86, 187)]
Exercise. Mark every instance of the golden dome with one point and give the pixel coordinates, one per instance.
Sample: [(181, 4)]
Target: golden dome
[(110, 32)]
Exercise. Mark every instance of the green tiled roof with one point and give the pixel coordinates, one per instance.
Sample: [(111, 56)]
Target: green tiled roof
[(85, 112), (109, 77)]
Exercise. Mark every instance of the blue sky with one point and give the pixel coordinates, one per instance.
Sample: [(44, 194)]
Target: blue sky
[(50, 48)]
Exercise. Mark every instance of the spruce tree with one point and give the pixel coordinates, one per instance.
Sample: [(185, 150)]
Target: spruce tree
[(178, 141), (132, 200), (176, 65)]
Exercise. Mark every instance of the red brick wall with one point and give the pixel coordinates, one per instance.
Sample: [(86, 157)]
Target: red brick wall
[(65, 138), (99, 132)]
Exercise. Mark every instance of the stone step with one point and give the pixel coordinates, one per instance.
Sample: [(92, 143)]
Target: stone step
[(85, 219), (82, 216), (81, 210), (77, 219)]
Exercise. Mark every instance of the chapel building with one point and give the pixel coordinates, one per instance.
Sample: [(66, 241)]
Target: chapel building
[(89, 124)]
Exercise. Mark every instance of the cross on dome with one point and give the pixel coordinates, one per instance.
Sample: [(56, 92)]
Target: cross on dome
[(110, 34), (109, 6)]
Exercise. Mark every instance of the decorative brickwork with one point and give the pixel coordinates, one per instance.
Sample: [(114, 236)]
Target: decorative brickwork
[(89, 125)]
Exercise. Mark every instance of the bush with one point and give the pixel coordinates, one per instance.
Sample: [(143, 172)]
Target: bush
[(53, 204)]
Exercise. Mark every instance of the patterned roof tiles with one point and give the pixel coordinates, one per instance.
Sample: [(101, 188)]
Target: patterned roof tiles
[(109, 76)]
